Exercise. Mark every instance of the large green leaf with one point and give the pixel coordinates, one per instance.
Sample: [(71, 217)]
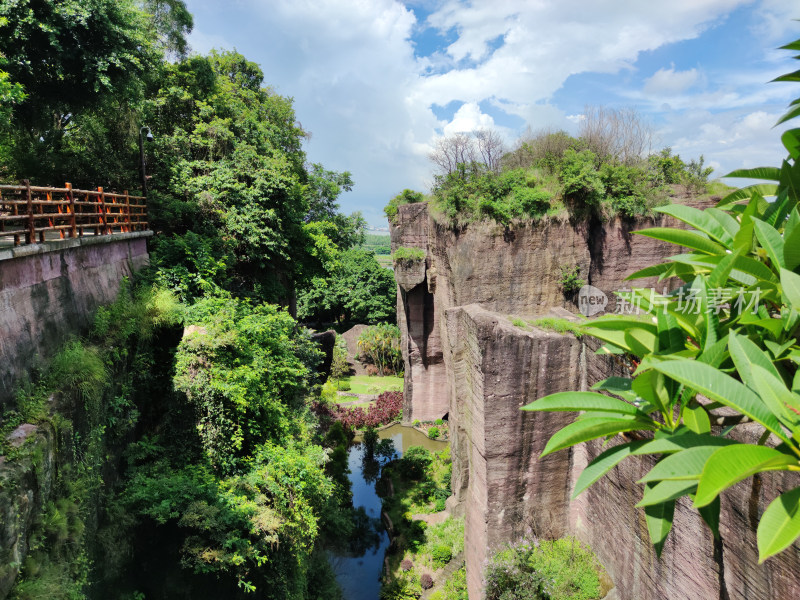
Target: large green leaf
[(745, 353), (729, 465), (791, 141), (728, 223), (653, 271), (746, 270), (771, 241), (768, 173), (650, 386), (700, 220), (778, 398), (593, 428), (603, 463), (718, 386), (681, 237), (665, 443), (780, 524), (664, 491), (685, 465), (789, 114), (763, 189), (696, 418), (790, 282), (659, 522), (586, 401)]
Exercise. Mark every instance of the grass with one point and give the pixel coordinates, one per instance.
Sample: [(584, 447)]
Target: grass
[(558, 325), (373, 384)]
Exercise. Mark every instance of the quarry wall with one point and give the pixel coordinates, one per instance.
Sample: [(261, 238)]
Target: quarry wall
[(466, 360)]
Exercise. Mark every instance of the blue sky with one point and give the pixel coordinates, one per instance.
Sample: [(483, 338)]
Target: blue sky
[(377, 81)]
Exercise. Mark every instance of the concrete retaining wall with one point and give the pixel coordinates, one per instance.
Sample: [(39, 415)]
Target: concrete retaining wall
[(50, 291)]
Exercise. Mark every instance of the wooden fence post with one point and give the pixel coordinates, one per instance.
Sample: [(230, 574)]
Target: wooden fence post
[(30, 237), (101, 197), (73, 224)]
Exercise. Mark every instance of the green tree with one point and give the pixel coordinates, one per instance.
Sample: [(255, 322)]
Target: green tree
[(355, 290)]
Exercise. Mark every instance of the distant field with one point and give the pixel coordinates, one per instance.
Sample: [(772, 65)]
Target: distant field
[(379, 244)]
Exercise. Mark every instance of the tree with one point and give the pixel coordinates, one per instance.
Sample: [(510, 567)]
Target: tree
[(171, 22), (68, 54), (451, 151), (619, 134), (736, 348), (356, 289), (490, 148)]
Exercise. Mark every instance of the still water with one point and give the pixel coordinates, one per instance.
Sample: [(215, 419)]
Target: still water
[(358, 573)]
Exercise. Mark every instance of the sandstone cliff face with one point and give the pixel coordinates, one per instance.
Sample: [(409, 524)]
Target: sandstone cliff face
[(465, 359)]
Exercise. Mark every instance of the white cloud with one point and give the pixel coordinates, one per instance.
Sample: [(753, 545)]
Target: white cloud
[(670, 82), (468, 118), (366, 98)]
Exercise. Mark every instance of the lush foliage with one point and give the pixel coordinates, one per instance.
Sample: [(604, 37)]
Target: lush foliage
[(724, 342), (556, 175), (354, 289), (404, 197), (540, 570), (571, 280), (242, 367), (408, 255), (194, 460), (380, 345)]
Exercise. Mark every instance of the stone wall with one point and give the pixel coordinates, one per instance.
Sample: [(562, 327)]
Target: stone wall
[(465, 359), (49, 291)]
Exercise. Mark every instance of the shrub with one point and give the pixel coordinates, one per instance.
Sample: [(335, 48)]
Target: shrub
[(426, 581), (440, 504), (570, 280), (408, 255), (516, 322), (406, 565), (414, 462), (405, 197), (562, 569), (438, 422), (441, 555), (580, 178), (380, 344), (387, 408), (434, 432), (345, 386)]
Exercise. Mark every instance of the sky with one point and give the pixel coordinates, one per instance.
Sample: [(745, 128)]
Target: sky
[(377, 82)]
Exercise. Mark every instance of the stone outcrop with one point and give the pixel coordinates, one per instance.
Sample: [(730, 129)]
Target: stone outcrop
[(465, 359), (50, 291), (25, 484)]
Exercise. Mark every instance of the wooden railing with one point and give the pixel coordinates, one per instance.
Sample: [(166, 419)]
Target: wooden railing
[(32, 213)]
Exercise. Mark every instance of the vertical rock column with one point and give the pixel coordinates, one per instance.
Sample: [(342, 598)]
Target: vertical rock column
[(425, 396), (505, 489)]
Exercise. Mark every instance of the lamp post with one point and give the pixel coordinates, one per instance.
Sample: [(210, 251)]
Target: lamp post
[(149, 138)]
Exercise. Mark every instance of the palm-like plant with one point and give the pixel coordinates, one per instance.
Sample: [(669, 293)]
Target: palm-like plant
[(727, 337)]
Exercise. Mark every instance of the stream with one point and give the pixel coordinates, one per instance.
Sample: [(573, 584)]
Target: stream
[(359, 573)]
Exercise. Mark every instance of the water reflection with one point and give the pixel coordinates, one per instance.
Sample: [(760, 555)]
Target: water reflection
[(359, 567)]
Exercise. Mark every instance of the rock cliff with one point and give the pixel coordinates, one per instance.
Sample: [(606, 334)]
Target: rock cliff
[(465, 359)]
